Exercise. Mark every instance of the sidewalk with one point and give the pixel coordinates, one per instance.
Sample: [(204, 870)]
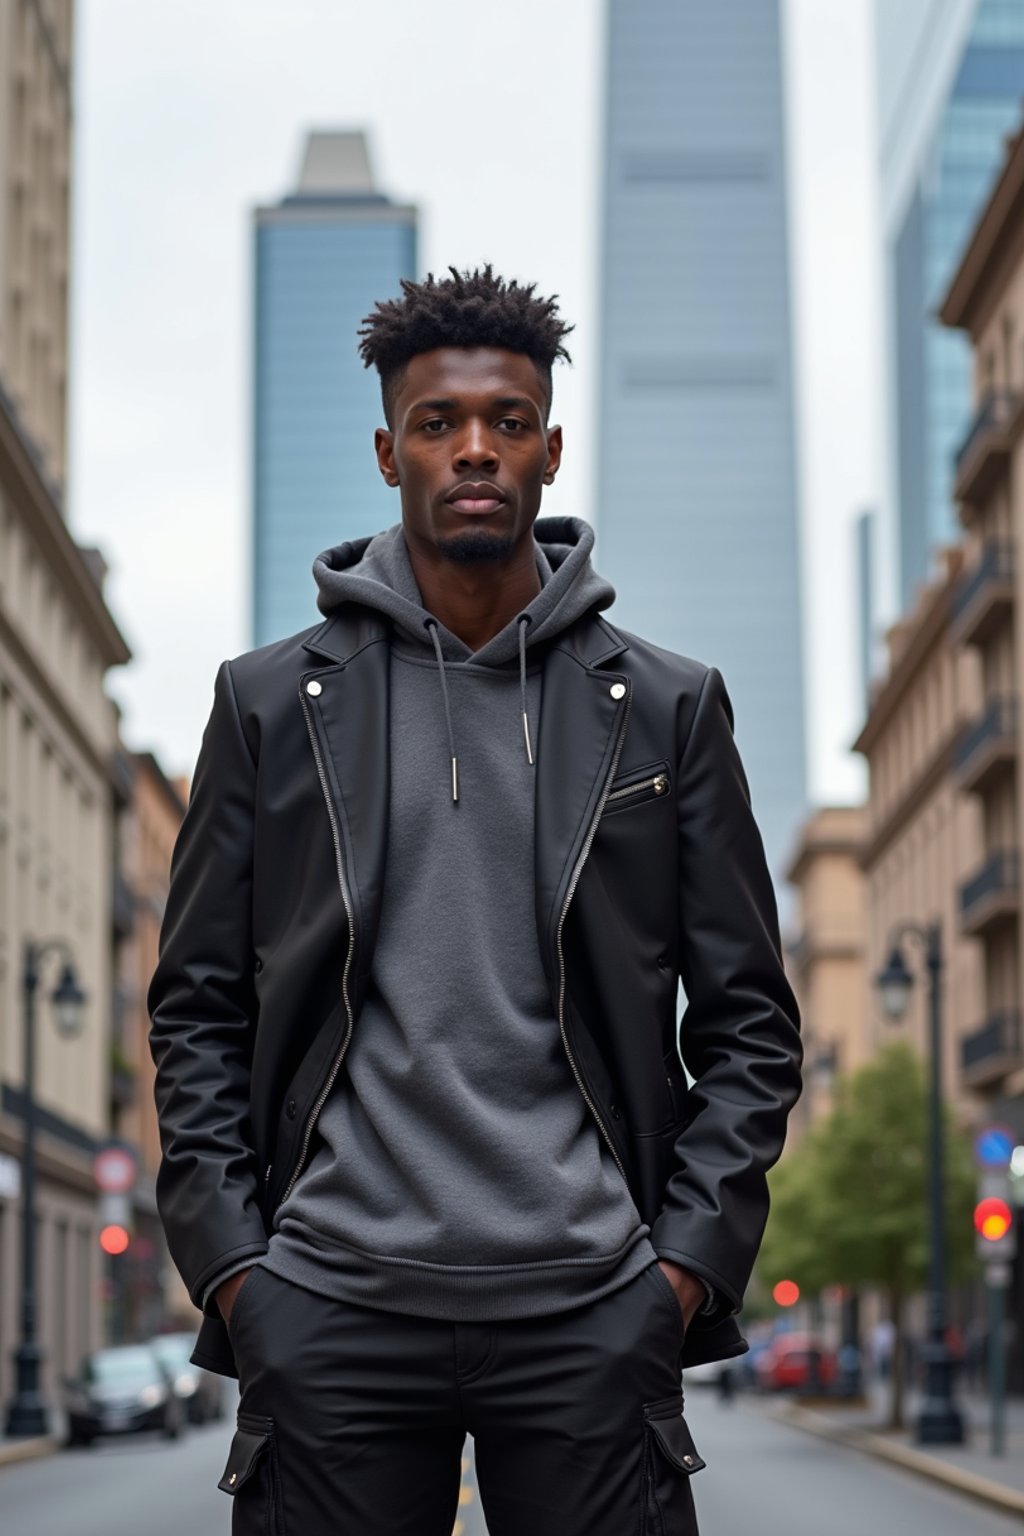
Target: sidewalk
[(28, 1447), (970, 1469)]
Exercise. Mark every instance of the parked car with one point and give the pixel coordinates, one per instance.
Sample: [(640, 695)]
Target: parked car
[(201, 1391), (704, 1375), (796, 1361), (118, 1391)]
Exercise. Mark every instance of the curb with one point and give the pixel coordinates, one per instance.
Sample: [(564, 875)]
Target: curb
[(985, 1490), (29, 1449)]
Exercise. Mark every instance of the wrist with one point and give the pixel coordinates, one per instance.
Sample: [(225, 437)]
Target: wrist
[(227, 1290), (690, 1289)]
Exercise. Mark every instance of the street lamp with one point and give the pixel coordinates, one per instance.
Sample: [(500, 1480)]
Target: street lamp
[(26, 1413), (940, 1421)]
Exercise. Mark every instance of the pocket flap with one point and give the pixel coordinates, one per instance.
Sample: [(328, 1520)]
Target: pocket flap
[(676, 1442), (246, 1449)]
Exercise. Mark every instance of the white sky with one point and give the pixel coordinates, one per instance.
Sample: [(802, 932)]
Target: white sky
[(489, 118)]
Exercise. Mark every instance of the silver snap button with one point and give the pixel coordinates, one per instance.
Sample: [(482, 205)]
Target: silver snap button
[(314, 687), (688, 1460), (618, 690)]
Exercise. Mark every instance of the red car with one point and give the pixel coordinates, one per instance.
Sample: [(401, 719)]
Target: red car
[(789, 1363)]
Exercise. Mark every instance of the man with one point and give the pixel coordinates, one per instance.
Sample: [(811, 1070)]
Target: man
[(431, 1163)]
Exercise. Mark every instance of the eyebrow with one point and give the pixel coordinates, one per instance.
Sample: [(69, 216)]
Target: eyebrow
[(506, 403)]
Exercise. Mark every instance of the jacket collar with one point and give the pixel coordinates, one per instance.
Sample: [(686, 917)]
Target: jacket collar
[(347, 631)]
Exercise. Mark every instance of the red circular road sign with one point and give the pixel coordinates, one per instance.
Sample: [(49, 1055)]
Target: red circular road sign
[(114, 1170)]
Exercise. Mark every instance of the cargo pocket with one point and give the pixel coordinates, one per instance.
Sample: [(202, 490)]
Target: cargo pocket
[(251, 1477), (670, 1459)]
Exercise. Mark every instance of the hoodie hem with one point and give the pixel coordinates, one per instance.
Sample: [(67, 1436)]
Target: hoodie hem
[(453, 1293)]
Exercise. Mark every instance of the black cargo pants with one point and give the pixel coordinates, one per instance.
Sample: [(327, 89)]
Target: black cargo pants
[(352, 1420)]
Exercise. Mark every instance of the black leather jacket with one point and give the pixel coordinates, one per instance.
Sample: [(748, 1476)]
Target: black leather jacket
[(649, 867)]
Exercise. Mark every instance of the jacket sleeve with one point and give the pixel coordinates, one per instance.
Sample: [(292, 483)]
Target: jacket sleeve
[(203, 1008), (740, 1033)]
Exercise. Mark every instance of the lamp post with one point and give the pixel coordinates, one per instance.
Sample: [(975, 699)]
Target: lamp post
[(27, 1413), (940, 1421)]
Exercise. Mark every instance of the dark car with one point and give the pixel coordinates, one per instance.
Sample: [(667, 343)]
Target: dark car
[(201, 1391), (118, 1391)]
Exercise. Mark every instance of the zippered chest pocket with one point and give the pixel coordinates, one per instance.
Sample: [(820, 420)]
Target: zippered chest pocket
[(638, 785)]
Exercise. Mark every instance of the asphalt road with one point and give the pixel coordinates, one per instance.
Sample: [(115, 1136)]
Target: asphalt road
[(762, 1479), (765, 1479)]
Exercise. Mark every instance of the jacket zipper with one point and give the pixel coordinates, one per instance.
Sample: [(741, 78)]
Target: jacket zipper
[(339, 862), (659, 783), (574, 881)]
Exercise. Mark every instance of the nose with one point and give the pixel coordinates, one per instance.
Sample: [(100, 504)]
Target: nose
[(475, 448)]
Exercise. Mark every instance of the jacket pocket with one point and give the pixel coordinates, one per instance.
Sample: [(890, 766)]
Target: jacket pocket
[(669, 1460), (251, 1477), (637, 786)]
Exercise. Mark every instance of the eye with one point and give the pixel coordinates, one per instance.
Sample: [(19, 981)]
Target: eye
[(512, 423), (435, 425)]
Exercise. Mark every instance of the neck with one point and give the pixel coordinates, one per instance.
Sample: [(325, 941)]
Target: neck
[(475, 601)]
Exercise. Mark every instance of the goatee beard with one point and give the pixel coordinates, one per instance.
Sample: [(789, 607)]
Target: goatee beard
[(474, 546)]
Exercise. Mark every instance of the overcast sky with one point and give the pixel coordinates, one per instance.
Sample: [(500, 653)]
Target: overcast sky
[(487, 117)]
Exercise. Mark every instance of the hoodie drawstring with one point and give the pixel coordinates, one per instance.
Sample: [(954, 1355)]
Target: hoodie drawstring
[(524, 621), (431, 624), (523, 624)]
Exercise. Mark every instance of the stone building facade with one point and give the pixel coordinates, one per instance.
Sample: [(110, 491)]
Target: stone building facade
[(58, 729)]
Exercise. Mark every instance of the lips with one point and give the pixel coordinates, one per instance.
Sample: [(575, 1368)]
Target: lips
[(476, 499), (476, 505)]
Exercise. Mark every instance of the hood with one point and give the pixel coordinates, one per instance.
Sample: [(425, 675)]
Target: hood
[(377, 573)]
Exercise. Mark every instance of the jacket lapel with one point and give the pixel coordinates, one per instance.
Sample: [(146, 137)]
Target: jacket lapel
[(350, 713), (581, 731)]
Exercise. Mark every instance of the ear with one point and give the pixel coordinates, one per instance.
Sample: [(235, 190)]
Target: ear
[(384, 447), (554, 455)]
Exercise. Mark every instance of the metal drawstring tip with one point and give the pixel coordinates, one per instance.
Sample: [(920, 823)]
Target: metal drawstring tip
[(455, 780), (526, 733)]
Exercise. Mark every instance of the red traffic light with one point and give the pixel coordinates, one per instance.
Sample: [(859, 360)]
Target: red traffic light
[(992, 1218), (786, 1293), (114, 1239)]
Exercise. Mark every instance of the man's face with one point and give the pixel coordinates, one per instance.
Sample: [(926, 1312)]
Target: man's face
[(470, 451)]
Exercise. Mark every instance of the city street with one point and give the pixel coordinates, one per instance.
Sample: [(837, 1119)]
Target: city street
[(761, 1476)]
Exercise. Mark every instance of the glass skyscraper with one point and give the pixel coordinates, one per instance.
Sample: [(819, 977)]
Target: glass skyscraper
[(323, 256), (951, 81), (697, 514)]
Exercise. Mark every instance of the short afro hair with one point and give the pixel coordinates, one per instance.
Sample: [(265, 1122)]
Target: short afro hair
[(468, 309)]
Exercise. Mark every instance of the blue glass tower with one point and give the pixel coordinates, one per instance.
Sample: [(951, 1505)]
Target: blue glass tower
[(697, 514), (950, 89), (323, 256)]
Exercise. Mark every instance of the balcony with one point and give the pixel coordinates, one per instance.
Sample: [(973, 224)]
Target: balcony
[(984, 598), (993, 1050), (987, 747), (992, 896), (122, 906), (985, 452), (123, 1078)]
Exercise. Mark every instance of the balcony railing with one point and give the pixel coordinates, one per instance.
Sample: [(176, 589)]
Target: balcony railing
[(985, 591), (993, 1049), (122, 911), (994, 413), (986, 744), (993, 893), (986, 445)]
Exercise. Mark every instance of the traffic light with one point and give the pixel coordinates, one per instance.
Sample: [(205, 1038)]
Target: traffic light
[(115, 1223), (994, 1224)]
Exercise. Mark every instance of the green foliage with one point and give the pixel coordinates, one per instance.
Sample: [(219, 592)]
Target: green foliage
[(850, 1202)]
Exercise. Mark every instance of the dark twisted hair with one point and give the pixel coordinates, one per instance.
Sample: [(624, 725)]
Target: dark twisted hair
[(468, 309)]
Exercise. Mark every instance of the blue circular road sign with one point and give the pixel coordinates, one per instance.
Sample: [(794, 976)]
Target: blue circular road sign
[(993, 1146)]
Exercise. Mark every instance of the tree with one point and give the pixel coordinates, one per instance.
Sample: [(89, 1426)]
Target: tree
[(849, 1204)]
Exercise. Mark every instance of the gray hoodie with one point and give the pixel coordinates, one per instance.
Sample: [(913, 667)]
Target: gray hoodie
[(456, 1172)]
